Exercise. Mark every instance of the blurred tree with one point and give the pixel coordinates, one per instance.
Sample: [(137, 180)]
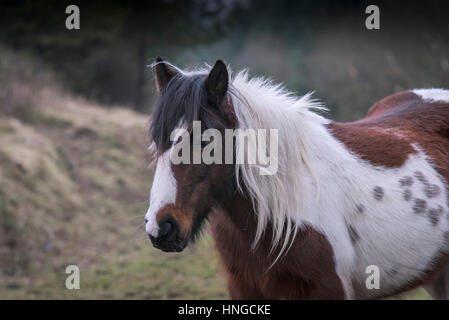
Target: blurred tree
[(319, 45), (106, 58)]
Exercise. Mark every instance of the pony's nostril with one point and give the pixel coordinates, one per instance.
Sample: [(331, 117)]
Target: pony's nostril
[(146, 220), (167, 238), (165, 229)]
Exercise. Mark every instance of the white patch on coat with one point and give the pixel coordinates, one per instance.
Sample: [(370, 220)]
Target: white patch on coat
[(323, 184), (391, 235), (163, 192), (433, 94)]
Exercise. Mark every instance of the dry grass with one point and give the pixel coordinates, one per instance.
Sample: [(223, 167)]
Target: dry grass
[(75, 182)]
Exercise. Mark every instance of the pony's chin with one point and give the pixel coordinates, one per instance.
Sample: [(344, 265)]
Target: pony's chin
[(177, 246), (174, 249)]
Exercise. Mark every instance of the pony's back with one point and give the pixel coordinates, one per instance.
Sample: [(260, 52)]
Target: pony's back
[(424, 110)]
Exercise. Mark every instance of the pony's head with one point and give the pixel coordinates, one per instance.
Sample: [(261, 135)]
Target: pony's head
[(183, 192), (210, 104)]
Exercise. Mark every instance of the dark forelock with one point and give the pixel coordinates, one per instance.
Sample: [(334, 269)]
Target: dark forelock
[(184, 98)]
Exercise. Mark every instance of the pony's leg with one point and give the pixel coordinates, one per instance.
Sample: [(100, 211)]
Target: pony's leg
[(438, 288)]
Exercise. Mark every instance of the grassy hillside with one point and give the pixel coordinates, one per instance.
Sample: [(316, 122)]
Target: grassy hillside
[(74, 187)]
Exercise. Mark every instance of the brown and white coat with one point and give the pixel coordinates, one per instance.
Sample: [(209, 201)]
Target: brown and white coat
[(352, 195)]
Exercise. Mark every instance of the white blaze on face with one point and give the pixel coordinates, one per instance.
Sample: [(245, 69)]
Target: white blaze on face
[(163, 191)]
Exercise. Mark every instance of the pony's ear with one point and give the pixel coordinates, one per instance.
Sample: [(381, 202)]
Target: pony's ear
[(164, 72), (217, 82)]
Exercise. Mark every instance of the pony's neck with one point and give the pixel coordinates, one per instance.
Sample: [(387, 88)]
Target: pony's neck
[(308, 156)]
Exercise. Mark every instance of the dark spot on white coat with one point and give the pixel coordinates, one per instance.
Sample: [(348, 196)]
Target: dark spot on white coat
[(378, 193)]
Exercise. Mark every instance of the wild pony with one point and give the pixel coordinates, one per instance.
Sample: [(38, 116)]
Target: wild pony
[(349, 201)]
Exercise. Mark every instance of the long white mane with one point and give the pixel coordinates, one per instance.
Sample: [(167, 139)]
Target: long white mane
[(277, 199)]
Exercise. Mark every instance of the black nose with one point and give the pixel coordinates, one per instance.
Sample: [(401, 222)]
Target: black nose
[(165, 229), (168, 236)]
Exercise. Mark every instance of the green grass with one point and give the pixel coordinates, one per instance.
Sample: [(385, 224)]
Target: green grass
[(143, 273), (418, 294), (146, 273)]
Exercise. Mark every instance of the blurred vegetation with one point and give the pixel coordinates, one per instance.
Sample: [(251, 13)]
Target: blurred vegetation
[(74, 180), (320, 45), (74, 190), (106, 59)]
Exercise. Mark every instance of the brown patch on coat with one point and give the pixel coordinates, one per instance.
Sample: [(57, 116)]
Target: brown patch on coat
[(385, 136), (372, 144), (307, 271)]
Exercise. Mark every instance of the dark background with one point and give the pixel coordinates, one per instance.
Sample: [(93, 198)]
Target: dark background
[(320, 45)]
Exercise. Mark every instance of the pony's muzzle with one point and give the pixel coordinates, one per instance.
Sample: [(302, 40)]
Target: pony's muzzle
[(168, 239)]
